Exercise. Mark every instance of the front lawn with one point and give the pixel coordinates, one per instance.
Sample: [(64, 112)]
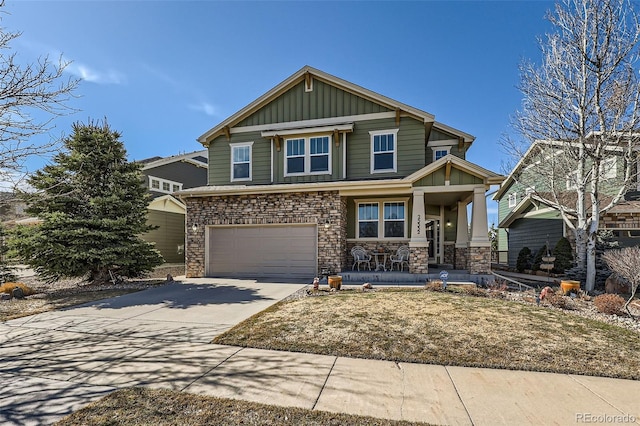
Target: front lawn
[(443, 328), (137, 406)]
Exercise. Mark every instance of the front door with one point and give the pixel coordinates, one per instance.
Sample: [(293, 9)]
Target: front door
[(433, 236)]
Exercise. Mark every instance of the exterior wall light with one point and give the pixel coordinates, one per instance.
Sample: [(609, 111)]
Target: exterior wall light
[(194, 227), (327, 224)]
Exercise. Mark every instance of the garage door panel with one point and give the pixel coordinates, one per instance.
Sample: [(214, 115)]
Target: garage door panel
[(263, 251)]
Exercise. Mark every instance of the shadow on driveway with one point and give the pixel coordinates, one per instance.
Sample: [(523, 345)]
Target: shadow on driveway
[(181, 296)]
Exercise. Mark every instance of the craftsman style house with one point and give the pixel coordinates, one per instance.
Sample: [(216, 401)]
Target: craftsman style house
[(527, 220), (318, 165), (163, 176)]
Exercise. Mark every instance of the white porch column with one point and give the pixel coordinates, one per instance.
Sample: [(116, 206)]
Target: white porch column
[(462, 228), (479, 227), (418, 231)]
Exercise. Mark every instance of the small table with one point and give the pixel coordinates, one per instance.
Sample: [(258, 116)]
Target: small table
[(381, 260)]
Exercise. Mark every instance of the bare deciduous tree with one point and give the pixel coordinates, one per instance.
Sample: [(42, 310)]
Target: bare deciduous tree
[(31, 96), (626, 263), (581, 107)]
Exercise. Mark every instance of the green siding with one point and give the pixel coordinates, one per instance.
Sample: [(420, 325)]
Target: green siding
[(168, 236), (220, 159), (324, 101), (410, 147), (532, 233)]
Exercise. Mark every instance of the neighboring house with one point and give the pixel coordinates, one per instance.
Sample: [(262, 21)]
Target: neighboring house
[(525, 220), (163, 177), (12, 208), (318, 165)]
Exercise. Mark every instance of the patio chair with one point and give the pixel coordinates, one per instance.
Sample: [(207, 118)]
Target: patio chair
[(401, 258), (360, 255)]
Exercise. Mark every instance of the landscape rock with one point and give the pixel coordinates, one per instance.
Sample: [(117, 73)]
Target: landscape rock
[(5, 296), (17, 293)]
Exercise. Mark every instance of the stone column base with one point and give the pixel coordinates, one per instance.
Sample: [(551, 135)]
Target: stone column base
[(419, 260), (461, 258), (449, 254), (479, 260)]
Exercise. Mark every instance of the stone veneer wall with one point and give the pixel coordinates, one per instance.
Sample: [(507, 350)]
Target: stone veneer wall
[(479, 260), (461, 258), (264, 209), (419, 260), (449, 253)]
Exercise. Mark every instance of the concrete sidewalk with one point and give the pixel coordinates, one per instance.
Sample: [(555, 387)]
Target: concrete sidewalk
[(54, 363)]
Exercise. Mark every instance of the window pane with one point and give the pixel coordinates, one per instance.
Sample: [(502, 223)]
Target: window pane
[(368, 211), (319, 145), (295, 165), (155, 184), (390, 143), (241, 171), (295, 147), (368, 229), (240, 154), (320, 163), (394, 229), (176, 188), (440, 153), (394, 211), (166, 186), (383, 161)]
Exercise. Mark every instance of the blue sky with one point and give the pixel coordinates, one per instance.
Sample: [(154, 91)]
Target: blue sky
[(164, 72)]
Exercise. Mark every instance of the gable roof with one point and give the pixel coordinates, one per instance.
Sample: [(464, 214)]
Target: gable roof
[(190, 157), (309, 73), (473, 169)]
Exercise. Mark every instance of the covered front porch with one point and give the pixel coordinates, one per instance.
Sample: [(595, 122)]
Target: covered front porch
[(430, 216)]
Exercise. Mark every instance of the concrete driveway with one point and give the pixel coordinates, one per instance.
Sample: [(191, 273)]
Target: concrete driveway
[(56, 362)]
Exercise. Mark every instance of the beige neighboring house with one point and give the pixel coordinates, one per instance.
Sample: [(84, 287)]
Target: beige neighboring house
[(318, 165)]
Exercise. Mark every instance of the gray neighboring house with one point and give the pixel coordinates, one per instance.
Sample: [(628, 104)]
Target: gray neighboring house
[(163, 176)]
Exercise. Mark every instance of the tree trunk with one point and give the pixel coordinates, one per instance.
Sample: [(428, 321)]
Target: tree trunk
[(581, 248), (590, 280)]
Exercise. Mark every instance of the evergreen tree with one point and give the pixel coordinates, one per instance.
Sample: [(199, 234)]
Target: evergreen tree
[(93, 206), (524, 259), (563, 254), (537, 259), (6, 273)]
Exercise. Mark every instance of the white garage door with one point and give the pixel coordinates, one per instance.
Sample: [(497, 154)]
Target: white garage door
[(271, 251)]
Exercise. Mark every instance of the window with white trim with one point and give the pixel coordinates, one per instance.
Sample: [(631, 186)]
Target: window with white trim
[(440, 152), (308, 156), (608, 169), (384, 151), (513, 199), (241, 161), (392, 225), (163, 185)]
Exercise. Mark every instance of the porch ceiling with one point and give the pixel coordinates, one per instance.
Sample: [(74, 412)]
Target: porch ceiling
[(447, 198)]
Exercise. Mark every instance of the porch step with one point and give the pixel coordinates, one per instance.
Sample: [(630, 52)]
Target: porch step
[(405, 278)]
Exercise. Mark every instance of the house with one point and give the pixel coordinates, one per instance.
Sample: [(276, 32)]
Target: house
[(163, 177), (318, 165), (527, 219)]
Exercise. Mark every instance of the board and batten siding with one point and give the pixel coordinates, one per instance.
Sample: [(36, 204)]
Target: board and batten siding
[(533, 233), (324, 101), (220, 159), (410, 147)]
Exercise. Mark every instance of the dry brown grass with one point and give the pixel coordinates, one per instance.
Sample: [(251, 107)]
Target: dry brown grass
[(138, 406), (443, 328), (9, 287)]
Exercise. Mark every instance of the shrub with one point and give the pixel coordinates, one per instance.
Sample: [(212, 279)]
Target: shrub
[(560, 301), (474, 291), (563, 254), (524, 259), (610, 304), (435, 285)]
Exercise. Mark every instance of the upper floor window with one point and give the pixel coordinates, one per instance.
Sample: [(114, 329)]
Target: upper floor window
[(310, 155), (241, 161), (513, 199), (384, 151), (438, 153), (392, 225), (163, 185)]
